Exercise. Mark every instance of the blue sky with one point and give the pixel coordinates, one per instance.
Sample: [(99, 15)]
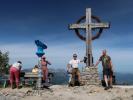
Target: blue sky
[(23, 21)]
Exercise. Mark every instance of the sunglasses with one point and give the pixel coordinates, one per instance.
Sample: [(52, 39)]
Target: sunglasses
[(74, 56)]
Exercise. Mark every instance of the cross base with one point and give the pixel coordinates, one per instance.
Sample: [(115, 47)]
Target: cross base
[(90, 76)]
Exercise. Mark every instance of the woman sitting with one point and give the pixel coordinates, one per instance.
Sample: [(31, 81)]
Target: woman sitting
[(35, 69)]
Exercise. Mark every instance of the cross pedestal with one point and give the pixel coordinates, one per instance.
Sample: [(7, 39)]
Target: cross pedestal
[(90, 76)]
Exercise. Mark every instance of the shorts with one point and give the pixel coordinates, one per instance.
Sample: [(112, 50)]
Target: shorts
[(107, 72), (75, 71)]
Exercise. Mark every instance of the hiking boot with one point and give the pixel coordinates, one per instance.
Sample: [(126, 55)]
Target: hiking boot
[(106, 88), (13, 87), (111, 87), (69, 85), (19, 87)]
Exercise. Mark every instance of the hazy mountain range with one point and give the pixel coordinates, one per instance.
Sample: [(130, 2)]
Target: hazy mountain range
[(61, 77)]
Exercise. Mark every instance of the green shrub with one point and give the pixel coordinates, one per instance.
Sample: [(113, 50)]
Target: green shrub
[(4, 63)]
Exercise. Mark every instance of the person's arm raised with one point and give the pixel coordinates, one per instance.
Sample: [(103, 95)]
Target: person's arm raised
[(81, 60), (48, 62), (84, 60)]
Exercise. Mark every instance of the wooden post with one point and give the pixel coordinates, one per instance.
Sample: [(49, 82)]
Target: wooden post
[(88, 38)]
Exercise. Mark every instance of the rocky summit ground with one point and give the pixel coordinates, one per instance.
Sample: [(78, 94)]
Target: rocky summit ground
[(63, 92)]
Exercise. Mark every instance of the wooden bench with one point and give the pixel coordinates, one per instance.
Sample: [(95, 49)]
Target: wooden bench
[(31, 78)]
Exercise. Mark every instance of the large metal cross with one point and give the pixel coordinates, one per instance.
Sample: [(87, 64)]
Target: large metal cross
[(88, 26)]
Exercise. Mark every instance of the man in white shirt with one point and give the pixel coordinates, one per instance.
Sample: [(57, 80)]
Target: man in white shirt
[(74, 64)]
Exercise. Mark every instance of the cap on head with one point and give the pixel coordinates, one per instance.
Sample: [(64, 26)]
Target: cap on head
[(19, 62), (74, 55)]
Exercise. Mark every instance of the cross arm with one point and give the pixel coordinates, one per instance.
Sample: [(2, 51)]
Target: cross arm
[(100, 25), (92, 25), (77, 26)]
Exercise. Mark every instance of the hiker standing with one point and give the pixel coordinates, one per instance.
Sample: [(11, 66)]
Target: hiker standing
[(44, 64), (75, 70), (107, 68), (15, 73)]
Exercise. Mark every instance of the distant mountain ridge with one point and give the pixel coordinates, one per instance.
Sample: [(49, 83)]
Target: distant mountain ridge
[(61, 77)]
